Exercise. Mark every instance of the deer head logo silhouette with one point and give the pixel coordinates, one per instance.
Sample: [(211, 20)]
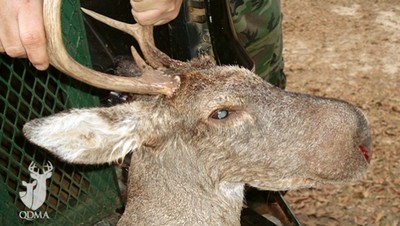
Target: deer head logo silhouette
[(35, 193)]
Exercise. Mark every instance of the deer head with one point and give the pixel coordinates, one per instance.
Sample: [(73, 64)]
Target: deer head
[(219, 127)]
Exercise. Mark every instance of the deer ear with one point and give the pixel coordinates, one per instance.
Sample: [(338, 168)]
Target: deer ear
[(88, 136)]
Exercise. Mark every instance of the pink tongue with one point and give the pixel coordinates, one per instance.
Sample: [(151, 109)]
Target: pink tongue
[(365, 153)]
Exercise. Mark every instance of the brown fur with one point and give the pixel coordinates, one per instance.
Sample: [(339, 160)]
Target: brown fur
[(190, 169)]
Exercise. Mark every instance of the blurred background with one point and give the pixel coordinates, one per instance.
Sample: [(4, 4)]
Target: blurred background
[(350, 50)]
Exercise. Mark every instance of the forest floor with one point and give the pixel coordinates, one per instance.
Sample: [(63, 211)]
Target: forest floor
[(350, 50)]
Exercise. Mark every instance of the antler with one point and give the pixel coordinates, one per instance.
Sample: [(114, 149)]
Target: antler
[(32, 168), (144, 37), (150, 82), (48, 166)]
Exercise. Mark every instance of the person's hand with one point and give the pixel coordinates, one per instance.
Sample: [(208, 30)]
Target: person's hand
[(155, 12), (22, 31)]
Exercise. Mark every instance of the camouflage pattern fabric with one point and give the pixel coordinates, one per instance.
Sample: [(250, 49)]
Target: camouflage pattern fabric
[(258, 24)]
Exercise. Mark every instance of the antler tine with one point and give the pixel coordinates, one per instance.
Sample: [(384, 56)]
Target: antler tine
[(134, 30), (150, 82), (144, 37), (32, 167), (48, 166)]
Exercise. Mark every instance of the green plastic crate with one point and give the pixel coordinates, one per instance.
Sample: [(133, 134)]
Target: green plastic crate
[(76, 195)]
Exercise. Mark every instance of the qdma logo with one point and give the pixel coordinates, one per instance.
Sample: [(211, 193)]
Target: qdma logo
[(35, 193)]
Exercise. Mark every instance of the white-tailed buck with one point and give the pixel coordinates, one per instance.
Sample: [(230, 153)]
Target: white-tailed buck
[(35, 193), (205, 133)]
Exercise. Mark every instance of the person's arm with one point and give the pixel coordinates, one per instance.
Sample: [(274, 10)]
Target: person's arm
[(155, 12), (22, 31)]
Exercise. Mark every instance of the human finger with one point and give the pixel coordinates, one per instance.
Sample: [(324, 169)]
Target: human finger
[(151, 17), (32, 33), (155, 12), (9, 32)]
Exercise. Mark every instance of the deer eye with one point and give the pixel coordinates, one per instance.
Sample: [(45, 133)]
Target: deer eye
[(220, 114)]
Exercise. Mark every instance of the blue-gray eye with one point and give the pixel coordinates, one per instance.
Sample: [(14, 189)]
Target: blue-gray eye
[(220, 114)]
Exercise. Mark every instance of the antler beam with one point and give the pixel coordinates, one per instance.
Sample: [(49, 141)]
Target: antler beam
[(150, 82)]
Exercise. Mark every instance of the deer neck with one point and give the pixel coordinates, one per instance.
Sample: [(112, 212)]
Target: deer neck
[(173, 189)]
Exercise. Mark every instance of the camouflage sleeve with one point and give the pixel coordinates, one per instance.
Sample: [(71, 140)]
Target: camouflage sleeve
[(258, 24)]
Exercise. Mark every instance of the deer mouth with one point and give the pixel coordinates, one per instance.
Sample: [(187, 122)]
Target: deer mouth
[(366, 153)]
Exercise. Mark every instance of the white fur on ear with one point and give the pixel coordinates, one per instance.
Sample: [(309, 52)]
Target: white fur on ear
[(87, 136)]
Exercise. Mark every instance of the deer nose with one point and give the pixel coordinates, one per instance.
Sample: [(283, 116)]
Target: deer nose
[(367, 154), (365, 143), (365, 140)]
